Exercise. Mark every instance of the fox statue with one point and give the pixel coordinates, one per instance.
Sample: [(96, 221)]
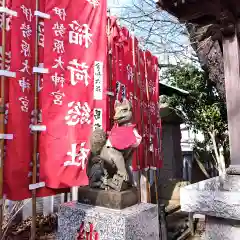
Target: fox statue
[(111, 156)]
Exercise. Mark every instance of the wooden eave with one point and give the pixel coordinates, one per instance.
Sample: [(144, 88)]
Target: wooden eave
[(168, 90), (202, 12)]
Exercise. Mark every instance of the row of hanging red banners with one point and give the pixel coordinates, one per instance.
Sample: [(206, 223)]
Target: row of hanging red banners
[(75, 95), (135, 77)]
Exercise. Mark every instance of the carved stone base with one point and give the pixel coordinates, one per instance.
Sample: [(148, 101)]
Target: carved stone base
[(109, 199), (219, 200), (220, 228), (233, 170), (117, 183)]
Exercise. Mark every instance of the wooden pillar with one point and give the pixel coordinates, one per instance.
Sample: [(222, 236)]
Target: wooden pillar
[(231, 56)]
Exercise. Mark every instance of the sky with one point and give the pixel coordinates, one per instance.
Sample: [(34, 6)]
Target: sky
[(117, 7)]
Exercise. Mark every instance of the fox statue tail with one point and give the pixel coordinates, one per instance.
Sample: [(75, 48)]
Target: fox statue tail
[(97, 141), (94, 169)]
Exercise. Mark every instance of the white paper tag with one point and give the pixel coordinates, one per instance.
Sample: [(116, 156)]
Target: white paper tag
[(40, 70), (98, 81), (8, 11), (41, 14), (6, 136), (7, 73), (36, 185), (38, 128)]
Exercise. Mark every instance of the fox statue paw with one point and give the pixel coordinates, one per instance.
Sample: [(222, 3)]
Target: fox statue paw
[(104, 180)]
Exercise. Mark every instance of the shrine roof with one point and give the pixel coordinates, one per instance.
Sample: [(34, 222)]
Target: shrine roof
[(202, 11), (168, 90)]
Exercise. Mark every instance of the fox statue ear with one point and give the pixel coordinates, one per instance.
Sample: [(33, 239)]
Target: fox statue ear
[(125, 101), (128, 103), (116, 104)]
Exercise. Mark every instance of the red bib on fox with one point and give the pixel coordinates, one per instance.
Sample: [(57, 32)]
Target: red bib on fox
[(124, 137)]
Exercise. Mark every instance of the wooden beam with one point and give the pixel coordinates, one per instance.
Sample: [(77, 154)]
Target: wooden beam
[(231, 57), (192, 11), (200, 11)]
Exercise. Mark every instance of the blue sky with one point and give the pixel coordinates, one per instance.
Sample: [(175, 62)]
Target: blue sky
[(171, 41), (115, 4)]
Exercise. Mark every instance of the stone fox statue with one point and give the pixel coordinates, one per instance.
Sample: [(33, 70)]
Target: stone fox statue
[(111, 155), (95, 165)]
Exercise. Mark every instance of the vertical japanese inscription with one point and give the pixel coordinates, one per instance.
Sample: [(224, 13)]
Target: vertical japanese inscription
[(58, 78), (98, 115), (78, 111), (98, 80), (24, 82)]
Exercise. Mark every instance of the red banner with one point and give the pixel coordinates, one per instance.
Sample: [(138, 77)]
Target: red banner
[(19, 105), (74, 93), (152, 111), (125, 50), (143, 112), (21, 98), (157, 143), (120, 45), (152, 124), (7, 67)]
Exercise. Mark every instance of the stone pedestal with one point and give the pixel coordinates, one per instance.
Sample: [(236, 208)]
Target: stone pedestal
[(110, 199), (138, 222), (219, 200), (220, 228)]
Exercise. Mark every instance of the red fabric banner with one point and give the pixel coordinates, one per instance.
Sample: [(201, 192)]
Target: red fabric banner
[(152, 111), (7, 66), (74, 96), (120, 45), (144, 110), (21, 97), (152, 124), (19, 150), (157, 121), (129, 80), (113, 35), (125, 52), (139, 70)]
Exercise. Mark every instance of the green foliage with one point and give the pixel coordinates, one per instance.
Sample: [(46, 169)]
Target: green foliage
[(203, 109)]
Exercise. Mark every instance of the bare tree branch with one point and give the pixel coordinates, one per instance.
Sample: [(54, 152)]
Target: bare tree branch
[(158, 31)]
